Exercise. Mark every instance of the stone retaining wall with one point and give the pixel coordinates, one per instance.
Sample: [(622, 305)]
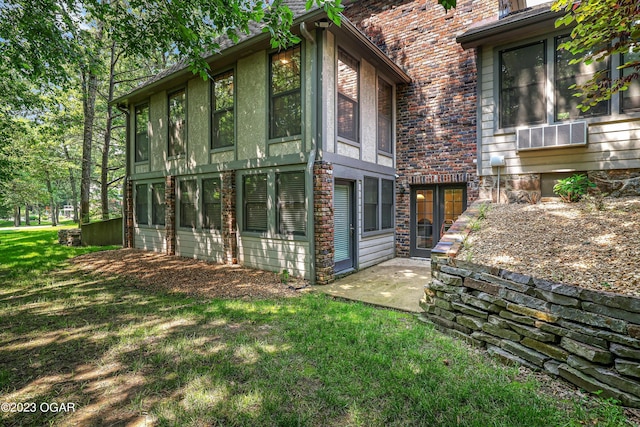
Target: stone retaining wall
[(70, 237), (590, 338)]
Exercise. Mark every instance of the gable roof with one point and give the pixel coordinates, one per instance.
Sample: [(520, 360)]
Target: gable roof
[(255, 36), (523, 23)]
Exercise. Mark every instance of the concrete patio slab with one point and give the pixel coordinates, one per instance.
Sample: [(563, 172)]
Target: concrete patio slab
[(397, 283)]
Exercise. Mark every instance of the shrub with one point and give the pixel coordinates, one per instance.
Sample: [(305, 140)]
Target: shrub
[(572, 189)]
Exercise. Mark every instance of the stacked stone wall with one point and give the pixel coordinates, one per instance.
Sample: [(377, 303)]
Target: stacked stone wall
[(589, 338), (526, 188), (229, 220), (170, 214), (323, 222)]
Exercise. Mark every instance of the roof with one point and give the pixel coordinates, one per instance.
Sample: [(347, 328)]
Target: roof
[(525, 22), (256, 35)]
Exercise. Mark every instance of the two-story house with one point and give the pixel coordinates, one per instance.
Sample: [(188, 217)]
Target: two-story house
[(282, 160), (355, 146)]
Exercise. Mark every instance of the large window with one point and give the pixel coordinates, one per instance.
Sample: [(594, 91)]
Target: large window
[(177, 123), (255, 202), (142, 132), (188, 213), (386, 213), (158, 204), (522, 85), (378, 206), (370, 204), (142, 204), (630, 98), (223, 111), (211, 204), (292, 215), (348, 110), (385, 114), (566, 75), (285, 94)]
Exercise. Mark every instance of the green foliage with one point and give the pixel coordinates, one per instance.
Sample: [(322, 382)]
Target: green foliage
[(602, 29), (573, 188)]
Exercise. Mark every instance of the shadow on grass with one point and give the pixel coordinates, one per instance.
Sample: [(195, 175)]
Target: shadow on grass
[(125, 355)]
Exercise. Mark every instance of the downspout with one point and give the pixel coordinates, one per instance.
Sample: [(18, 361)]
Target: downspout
[(311, 41), (127, 173)]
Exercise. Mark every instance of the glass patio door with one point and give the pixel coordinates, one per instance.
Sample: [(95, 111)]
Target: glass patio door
[(433, 210)]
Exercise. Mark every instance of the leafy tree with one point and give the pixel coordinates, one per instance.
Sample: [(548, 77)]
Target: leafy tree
[(603, 28)]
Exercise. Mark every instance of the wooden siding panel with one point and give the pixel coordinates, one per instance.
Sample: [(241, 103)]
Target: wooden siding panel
[(373, 250), (150, 239), (200, 245), (276, 255)]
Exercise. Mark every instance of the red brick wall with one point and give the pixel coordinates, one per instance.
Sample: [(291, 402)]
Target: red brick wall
[(436, 112)]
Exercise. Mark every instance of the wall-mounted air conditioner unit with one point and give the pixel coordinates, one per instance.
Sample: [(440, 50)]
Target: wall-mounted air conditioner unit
[(562, 135)]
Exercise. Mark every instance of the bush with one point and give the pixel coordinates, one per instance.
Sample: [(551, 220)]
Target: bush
[(572, 189)]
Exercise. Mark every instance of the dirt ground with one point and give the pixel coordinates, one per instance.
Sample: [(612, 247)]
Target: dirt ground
[(189, 276), (582, 244)]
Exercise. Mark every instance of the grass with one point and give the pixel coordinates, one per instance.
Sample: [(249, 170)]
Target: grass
[(125, 355), (34, 223)]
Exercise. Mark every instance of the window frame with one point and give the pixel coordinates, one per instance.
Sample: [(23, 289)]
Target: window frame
[(139, 196), (153, 205), (390, 118), (205, 225), (616, 110), (245, 204), (388, 226), (183, 146), (273, 96), (500, 90), (356, 102), (635, 83), (136, 133), (281, 204), (213, 146), (180, 204)]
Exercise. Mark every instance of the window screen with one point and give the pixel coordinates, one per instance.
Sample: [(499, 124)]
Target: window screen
[(292, 215), (223, 111), (142, 204), (157, 204), (286, 110), (142, 133), (188, 203), (211, 204), (255, 202), (370, 204), (386, 215), (177, 123), (522, 85), (348, 110)]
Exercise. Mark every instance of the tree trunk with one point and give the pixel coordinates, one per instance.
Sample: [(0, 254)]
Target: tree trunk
[(89, 91), (16, 216), (74, 189), (104, 173), (90, 88), (54, 212), (27, 216)]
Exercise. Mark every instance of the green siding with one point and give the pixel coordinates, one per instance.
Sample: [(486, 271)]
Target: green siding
[(252, 106)]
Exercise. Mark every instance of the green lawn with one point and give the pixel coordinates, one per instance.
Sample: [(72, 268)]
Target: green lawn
[(124, 355)]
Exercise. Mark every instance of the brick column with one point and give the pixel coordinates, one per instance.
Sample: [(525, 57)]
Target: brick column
[(323, 221), (170, 214), (128, 215), (229, 234)]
